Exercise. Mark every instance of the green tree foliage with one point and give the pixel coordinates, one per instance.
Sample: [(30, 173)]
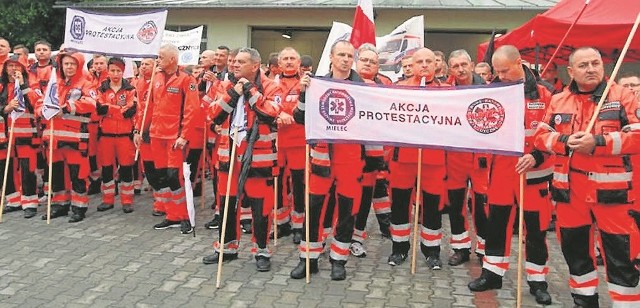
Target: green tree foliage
[(27, 21)]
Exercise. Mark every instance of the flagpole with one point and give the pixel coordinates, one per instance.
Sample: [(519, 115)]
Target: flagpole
[(544, 70), (613, 74), (520, 231), (204, 162), (306, 212), (275, 211), (232, 162), (146, 107), (416, 212), (49, 189), (6, 168)]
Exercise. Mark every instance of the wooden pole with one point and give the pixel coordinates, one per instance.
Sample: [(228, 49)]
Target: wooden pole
[(275, 211), (146, 107), (204, 164), (416, 213), (6, 168), (232, 163), (50, 189), (520, 231), (613, 74), (307, 170)]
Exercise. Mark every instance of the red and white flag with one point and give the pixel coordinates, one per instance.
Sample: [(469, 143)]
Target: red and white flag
[(364, 28)]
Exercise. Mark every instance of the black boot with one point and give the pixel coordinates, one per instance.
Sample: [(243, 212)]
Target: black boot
[(263, 264), (78, 214), (539, 290), (283, 230), (297, 235), (338, 272), (488, 280), (30, 212), (584, 301), (57, 210), (300, 271)]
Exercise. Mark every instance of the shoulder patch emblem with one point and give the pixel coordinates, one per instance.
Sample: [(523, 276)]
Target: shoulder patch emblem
[(192, 86)]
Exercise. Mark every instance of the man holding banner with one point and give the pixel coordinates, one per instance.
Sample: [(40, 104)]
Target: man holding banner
[(70, 138), (339, 162), (593, 178), (504, 189), (402, 179)]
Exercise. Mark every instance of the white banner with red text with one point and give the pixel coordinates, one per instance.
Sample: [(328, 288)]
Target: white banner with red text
[(123, 35), (488, 118), (188, 43)]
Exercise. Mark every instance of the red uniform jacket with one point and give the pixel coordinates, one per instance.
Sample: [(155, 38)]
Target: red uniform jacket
[(117, 109), (175, 103)]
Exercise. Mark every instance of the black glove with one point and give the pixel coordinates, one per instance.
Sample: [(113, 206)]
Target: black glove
[(130, 112), (102, 109), (246, 89), (374, 164)]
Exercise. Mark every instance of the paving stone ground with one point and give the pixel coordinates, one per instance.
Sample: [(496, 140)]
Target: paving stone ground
[(114, 259)]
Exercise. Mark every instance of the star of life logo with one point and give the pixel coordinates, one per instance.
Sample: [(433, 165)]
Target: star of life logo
[(337, 106), (77, 27), (148, 32), (486, 115)]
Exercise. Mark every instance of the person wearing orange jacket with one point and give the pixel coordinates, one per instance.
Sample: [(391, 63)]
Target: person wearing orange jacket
[(291, 148), (463, 167), (339, 163), (403, 169), (504, 188), (5, 48), (593, 180), (247, 112), (116, 105), (161, 191), (98, 74), (25, 136), (70, 137), (174, 96), (374, 183)]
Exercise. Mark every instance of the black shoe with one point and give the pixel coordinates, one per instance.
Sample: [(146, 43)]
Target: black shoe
[(300, 271), (158, 213), (338, 272), (94, 187), (297, 236), (539, 290), (263, 264), (30, 212), (397, 259), (213, 259), (78, 214), (459, 256), (434, 263), (246, 227), (166, 224), (104, 207), (214, 223), (9, 209), (58, 210), (283, 230), (185, 227), (127, 208), (487, 281)]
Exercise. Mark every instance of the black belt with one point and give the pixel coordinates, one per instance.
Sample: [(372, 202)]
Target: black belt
[(115, 135)]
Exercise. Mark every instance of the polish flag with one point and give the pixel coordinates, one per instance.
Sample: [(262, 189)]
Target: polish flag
[(364, 29)]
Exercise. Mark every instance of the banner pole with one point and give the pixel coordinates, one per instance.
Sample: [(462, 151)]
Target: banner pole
[(6, 168), (232, 163), (520, 231), (416, 213), (204, 165), (146, 107), (306, 211), (49, 189)]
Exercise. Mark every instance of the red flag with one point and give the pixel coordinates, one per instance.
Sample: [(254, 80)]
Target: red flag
[(364, 29)]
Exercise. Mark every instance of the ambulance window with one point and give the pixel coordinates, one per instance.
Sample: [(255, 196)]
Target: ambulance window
[(404, 45)]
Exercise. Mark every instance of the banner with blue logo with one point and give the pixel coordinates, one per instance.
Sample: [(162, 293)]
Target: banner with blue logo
[(488, 118), (188, 43), (131, 35)]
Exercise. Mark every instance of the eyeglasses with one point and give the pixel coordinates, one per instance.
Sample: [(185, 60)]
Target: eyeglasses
[(367, 60)]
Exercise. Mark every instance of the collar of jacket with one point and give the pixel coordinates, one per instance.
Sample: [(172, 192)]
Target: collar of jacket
[(597, 93), (353, 76), (106, 85)]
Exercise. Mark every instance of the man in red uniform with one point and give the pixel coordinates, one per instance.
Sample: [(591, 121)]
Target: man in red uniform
[(374, 183), (5, 48), (141, 139), (342, 163), (246, 111), (504, 187), (25, 136), (291, 148), (463, 167), (70, 137), (403, 169), (117, 106), (593, 178), (174, 95), (98, 74)]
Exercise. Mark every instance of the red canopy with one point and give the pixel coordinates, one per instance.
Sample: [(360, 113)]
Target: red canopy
[(605, 24)]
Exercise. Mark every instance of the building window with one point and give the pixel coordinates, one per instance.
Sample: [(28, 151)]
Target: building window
[(178, 28)]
